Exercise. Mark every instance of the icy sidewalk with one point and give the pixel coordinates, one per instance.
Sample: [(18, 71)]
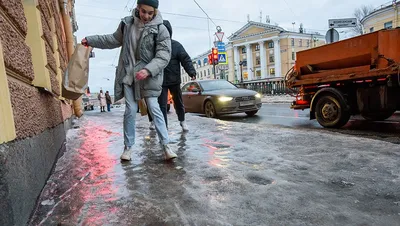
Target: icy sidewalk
[(227, 173)]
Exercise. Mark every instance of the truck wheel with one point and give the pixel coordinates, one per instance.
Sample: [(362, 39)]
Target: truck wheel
[(378, 116), (331, 112)]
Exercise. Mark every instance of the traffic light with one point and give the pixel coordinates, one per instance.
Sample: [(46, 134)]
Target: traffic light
[(210, 61), (214, 53)]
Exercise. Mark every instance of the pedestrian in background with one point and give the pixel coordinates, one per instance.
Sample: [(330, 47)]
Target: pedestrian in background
[(109, 101), (103, 102), (145, 52)]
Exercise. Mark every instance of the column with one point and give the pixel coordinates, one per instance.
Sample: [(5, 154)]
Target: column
[(263, 60), (36, 43), (249, 62), (236, 58), (7, 125), (277, 55)]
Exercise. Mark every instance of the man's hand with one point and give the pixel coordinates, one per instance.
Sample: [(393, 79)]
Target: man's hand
[(84, 42), (142, 74)]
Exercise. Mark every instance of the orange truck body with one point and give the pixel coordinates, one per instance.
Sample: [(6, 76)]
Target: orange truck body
[(360, 75), (364, 57)]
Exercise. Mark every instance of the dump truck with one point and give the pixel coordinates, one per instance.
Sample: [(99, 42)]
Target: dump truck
[(356, 76)]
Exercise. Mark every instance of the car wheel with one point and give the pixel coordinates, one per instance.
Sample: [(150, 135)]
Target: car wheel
[(209, 110), (251, 113), (330, 112), (168, 107)]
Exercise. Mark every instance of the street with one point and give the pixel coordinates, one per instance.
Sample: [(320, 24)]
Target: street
[(280, 171), (280, 114)]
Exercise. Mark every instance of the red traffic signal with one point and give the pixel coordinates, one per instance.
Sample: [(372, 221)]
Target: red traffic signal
[(214, 53), (210, 59)]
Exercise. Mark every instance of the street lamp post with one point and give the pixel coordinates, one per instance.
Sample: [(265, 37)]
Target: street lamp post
[(241, 72)]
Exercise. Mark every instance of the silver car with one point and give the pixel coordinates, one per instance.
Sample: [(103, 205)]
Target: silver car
[(219, 97)]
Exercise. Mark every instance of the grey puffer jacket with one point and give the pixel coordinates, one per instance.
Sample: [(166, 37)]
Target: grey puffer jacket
[(154, 49)]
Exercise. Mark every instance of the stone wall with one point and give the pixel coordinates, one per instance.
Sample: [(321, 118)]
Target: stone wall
[(30, 30)]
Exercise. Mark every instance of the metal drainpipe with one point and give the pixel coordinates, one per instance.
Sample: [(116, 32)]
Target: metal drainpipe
[(70, 48)]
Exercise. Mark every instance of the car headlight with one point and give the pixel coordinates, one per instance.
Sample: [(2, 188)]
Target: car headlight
[(258, 95), (225, 99)]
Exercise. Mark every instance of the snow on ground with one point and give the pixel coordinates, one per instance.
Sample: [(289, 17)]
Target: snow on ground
[(277, 99)]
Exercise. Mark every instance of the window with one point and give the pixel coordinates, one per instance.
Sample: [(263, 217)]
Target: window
[(258, 62), (257, 47), (208, 71), (300, 43), (292, 41), (205, 73), (388, 25), (258, 74), (293, 56), (272, 71), (270, 45), (244, 50), (190, 86), (308, 43), (271, 58), (201, 74), (371, 29)]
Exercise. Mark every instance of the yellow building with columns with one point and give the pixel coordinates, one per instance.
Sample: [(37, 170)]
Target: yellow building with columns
[(257, 52), (265, 51)]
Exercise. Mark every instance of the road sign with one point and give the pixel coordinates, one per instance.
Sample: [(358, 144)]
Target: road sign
[(222, 59), (223, 67), (332, 35), (220, 36), (341, 23), (221, 47)]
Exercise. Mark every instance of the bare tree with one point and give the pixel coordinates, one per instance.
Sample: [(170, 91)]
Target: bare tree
[(360, 13)]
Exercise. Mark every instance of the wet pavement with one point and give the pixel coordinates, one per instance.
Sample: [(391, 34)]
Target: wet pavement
[(280, 114), (227, 173)]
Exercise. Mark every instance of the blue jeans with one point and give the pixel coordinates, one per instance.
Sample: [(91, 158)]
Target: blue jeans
[(108, 107), (131, 107)]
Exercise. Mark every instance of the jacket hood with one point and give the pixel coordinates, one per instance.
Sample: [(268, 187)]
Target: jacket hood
[(167, 24)]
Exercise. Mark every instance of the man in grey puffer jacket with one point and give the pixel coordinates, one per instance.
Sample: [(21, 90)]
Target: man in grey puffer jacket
[(145, 52)]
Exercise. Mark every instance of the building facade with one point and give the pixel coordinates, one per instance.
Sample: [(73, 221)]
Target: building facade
[(204, 70), (35, 45), (384, 17), (258, 52)]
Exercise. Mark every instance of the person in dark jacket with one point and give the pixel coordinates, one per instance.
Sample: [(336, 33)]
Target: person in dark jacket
[(172, 80), (108, 100)]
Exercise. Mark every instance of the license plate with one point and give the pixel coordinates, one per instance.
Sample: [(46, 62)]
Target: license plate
[(246, 103)]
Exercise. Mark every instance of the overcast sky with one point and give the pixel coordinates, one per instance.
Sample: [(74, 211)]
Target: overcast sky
[(103, 17)]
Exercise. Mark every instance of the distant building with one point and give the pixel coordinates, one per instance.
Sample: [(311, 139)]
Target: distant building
[(265, 51), (204, 70), (385, 17)]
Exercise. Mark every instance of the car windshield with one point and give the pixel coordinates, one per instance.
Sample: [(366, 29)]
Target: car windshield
[(216, 85)]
